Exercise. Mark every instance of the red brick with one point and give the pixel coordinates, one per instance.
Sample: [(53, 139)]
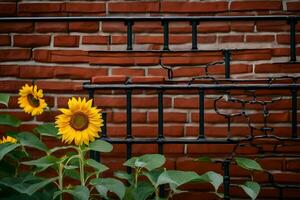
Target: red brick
[(109, 79), (288, 177), (272, 26), (17, 27), (40, 7), (58, 86), (255, 5), (194, 7), (149, 102), (66, 41), (137, 117), (99, 39), (67, 56), (79, 72), (285, 39), (293, 6), (4, 40), (213, 27), (124, 60), (31, 40), (8, 9), (248, 55), (231, 38), (15, 54), (242, 26), (88, 27), (133, 7), (189, 60), (293, 164), (9, 70), (51, 27), (147, 79), (259, 38), (36, 72), (12, 86), (277, 68), (128, 71), (85, 7), (207, 39), (48, 116), (168, 117), (118, 39)]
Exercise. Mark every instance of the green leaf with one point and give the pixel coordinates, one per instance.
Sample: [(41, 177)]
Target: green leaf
[(96, 165), (101, 146), (251, 188), (124, 175), (78, 192), (43, 162), (30, 140), (148, 161), (153, 175), (176, 177), (103, 185), (204, 159), (213, 178), (248, 164), (4, 98), (26, 185), (72, 173), (6, 148), (47, 129), (9, 120), (143, 191)]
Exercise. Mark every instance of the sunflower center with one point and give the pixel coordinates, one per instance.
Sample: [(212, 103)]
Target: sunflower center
[(34, 102), (79, 121)]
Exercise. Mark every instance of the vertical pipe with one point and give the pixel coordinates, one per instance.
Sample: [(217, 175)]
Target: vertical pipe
[(292, 22), (194, 35), (201, 114), (227, 55), (129, 24), (129, 125), (160, 105), (294, 114), (165, 24), (91, 93), (226, 179)]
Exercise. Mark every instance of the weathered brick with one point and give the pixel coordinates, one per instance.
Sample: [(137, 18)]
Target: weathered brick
[(8, 9), (66, 41), (133, 7), (31, 40), (15, 54), (255, 5), (194, 7)]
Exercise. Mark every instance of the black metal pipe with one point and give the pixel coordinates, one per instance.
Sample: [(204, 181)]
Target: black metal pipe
[(201, 114), (292, 22), (91, 93), (227, 58), (294, 114), (104, 127), (194, 35), (192, 86), (148, 18), (129, 24), (129, 125), (165, 24), (226, 179)]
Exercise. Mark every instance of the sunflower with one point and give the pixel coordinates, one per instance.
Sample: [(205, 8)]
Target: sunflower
[(8, 139), (31, 100), (80, 123)]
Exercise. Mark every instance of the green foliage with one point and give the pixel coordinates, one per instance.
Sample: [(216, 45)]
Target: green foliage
[(251, 188), (4, 99), (104, 185), (78, 192), (96, 165), (248, 164), (147, 161), (30, 140), (47, 129), (9, 120), (6, 148), (100, 146)]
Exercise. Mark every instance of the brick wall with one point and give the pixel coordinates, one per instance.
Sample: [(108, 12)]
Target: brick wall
[(60, 56)]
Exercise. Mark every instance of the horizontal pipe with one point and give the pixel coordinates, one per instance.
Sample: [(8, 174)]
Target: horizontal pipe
[(149, 18), (183, 140), (193, 86)]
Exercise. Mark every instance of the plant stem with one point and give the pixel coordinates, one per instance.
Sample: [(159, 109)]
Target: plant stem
[(81, 165), (60, 178)]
